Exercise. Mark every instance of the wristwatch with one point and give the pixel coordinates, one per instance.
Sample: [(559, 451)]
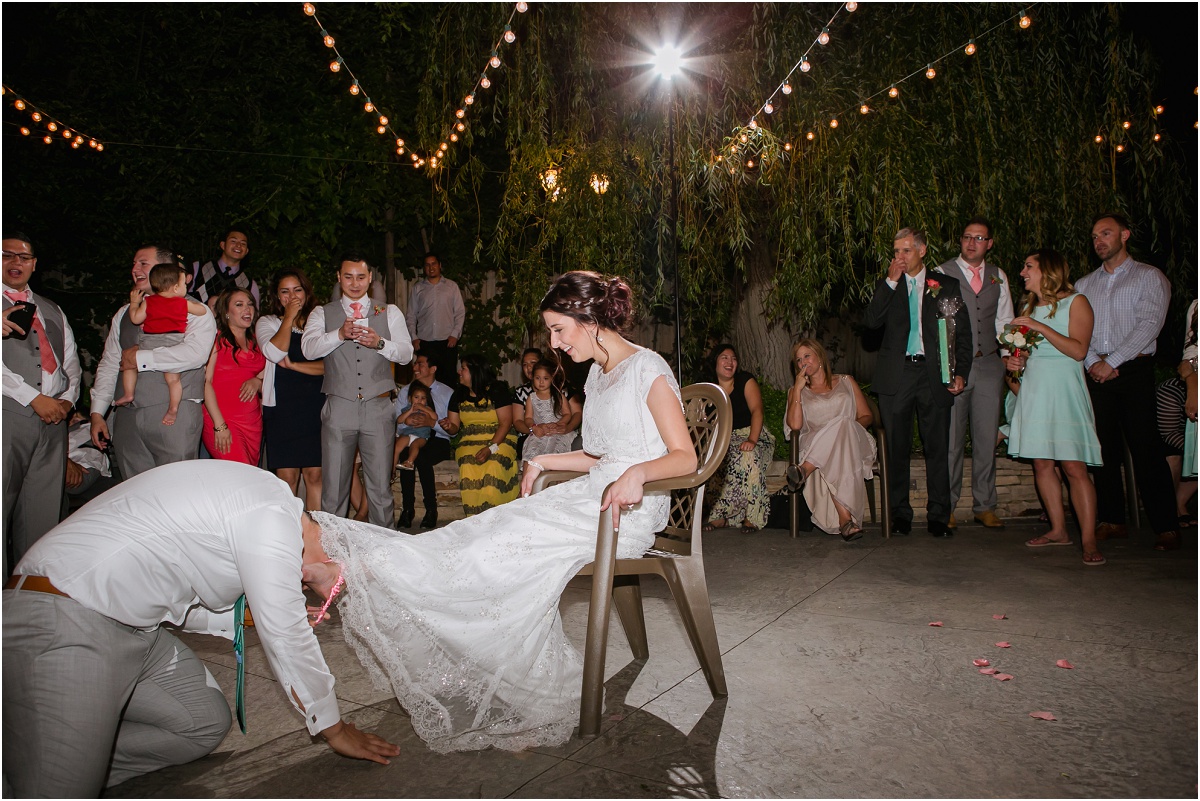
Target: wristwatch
[(379, 344)]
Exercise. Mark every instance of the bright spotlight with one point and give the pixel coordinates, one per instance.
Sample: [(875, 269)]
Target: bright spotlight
[(668, 61)]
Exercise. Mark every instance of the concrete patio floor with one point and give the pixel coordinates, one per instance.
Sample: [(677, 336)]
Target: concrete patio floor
[(838, 686)]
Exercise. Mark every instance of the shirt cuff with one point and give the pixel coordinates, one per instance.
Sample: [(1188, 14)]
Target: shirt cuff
[(322, 714), (145, 360), (24, 394), (891, 283)]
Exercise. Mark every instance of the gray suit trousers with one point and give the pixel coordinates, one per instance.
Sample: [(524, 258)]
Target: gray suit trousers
[(980, 402), (370, 427), (142, 442), (35, 466), (89, 702)]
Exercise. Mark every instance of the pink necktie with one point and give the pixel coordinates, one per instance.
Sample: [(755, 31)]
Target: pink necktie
[(357, 307), (49, 363), (977, 279)]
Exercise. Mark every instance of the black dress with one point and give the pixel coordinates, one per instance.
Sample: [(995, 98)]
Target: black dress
[(292, 427)]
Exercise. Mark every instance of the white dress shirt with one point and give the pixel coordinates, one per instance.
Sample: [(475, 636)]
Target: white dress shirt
[(436, 310), (317, 343), (917, 282), (179, 544), (189, 354), (1130, 307), (62, 384)]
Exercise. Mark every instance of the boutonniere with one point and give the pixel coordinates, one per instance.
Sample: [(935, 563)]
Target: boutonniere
[(995, 280), (933, 286), (378, 310)]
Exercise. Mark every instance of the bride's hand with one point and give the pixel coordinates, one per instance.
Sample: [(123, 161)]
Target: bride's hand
[(625, 493), (529, 475)]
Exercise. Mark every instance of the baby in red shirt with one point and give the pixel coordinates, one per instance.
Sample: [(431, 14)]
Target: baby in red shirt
[(163, 317)]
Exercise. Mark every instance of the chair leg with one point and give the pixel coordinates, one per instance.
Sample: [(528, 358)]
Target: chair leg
[(685, 577), (871, 499), (627, 598), (591, 700)]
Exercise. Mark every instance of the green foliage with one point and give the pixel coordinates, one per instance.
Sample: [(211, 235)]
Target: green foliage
[(774, 407)]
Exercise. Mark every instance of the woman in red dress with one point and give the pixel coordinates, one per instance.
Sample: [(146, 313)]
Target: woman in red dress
[(232, 381)]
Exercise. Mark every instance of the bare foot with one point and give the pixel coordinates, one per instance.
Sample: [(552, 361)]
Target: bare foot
[(124, 400), (169, 417)]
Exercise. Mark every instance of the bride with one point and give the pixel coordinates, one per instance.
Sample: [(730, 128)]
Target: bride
[(462, 623)]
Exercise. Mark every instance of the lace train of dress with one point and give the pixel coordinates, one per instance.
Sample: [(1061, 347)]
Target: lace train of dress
[(462, 623)]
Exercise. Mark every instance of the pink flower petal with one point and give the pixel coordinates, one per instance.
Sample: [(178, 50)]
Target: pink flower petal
[(1003, 645), (1062, 663), (1002, 676), (999, 617), (936, 623), (981, 663), (1043, 715), (989, 671)]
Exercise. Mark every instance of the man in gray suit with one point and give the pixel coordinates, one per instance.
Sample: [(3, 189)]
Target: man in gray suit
[(41, 385), (359, 341), (138, 435), (985, 290)]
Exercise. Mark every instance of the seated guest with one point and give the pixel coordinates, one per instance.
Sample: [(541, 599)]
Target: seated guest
[(529, 358), (548, 412), (292, 397), (742, 480), (1171, 399), (232, 381), (445, 424), (413, 429), (487, 450), (830, 415)]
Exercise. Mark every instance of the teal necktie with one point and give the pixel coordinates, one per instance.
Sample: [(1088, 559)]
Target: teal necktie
[(914, 319), (239, 650)]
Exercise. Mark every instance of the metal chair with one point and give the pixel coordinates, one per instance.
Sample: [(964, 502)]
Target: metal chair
[(876, 429), (676, 556)]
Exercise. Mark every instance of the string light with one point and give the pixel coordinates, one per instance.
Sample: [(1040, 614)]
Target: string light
[(399, 143), (1158, 137), (36, 116), (51, 126), (833, 123), (328, 39), (787, 146), (893, 92), (469, 99), (368, 106), (768, 108), (335, 66), (383, 120), (1025, 21), (1120, 148), (804, 65), (47, 139), (930, 72), (382, 129), (786, 89), (24, 131), (509, 36), (453, 137), (1099, 139), (1159, 109), (354, 89), (1126, 125), (309, 9), (494, 61), (20, 105), (809, 136), (864, 109), (852, 7), (485, 83), (460, 127), (970, 48), (823, 38), (522, 7), (750, 163), (460, 113)]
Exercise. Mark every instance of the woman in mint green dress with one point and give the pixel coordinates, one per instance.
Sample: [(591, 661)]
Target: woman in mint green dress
[(1053, 420)]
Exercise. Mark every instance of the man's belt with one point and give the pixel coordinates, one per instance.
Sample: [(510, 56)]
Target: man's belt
[(380, 395), (34, 584)]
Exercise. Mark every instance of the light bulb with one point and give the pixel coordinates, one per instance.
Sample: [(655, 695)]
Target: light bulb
[(750, 163), (1120, 148), (24, 131), (99, 146), (383, 120), (469, 99), (328, 40), (864, 109), (414, 156), (494, 61), (809, 136), (460, 127), (19, 105), (823, 38), (37, 117), (787, 146), (522, 7), (484, 82), (509, 36), (92, 143), (1099, 139), (52, 126), (893, 92), (804, 65), (66, 134), (335, 66), (786, 89), (742, 138), (769, 108), (833, 123), (453, 137), (354, 88), (1157, 137), (1025, 20), (445, 146), (79, 139), (930, 72), (309, 9), (1159, 109), (1126, 125), (753, 124), (852, 7), (368, 107), (460, 113), (382, 129), (47, 139), (75, 145), (970, 48), (399, 151)]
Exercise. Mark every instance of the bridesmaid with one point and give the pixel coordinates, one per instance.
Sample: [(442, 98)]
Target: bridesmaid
[(292, 398), (232, 381), (1053, 420)]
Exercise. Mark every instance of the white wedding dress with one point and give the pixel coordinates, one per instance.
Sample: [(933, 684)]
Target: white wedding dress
[(462, 623)]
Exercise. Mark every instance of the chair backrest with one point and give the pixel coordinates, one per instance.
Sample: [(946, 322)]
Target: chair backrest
[(710, 422)]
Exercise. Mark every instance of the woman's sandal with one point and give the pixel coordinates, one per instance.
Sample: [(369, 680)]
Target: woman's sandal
[(1094, 559), (1042, 542), (713, 525), (849, 531), (795, 478), (749, 529)]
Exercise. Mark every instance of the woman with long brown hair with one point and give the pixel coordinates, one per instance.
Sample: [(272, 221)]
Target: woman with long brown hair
[(232, 380), (1053, 420)]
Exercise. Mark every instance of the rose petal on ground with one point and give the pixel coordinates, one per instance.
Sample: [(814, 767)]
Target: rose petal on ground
[(988, 671), (1062, 663), (1043, 715), (936, 623), (981, 663), (999, 617), (1002, 676), (1003, 645)]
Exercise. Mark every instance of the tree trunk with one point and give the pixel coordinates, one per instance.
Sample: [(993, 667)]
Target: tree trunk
[(764, 347)]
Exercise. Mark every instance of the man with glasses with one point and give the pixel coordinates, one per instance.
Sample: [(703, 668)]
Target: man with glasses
[(989, 304), (41, 385)]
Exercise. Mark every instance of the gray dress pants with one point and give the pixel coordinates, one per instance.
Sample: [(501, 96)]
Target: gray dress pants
[(35, 466), (89, 702)]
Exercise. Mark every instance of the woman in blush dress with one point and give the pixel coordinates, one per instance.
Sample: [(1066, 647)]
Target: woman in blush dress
[(462, 623), (1053, 420), (830, 415), (232, 380)]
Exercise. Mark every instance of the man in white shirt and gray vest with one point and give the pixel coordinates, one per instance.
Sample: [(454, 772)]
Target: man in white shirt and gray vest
[(41, 385), (435, 318), (140, 439), (989, 303), (96, 690), (359, 341)]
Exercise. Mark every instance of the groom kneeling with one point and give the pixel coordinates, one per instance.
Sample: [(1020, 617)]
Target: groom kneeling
[(96, 691)]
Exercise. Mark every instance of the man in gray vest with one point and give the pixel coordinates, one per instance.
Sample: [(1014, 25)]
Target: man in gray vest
[(138, 435), (41, 384), (359, 341), (989, 302)]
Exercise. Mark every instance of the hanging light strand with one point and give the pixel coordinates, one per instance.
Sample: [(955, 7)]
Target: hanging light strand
[(382, 123), (785, 87), (47, 127)]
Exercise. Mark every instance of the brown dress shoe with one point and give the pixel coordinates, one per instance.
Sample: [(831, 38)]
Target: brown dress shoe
[(952, 523), (1168, 541), (1111, 531), (989, 519)]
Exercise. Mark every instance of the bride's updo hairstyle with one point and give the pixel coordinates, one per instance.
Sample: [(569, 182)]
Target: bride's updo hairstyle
[(591, 299)]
